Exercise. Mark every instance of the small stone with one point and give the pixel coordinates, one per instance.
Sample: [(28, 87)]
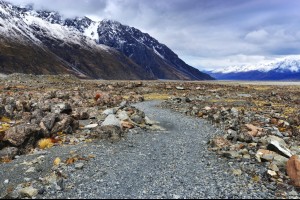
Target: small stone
[(79, 165), (231, 154), (272, 173), (109, 111), (6, 181), (90, 126), (30, 170), (148, 121), (237, 172), (219, 142), (123, 116), (179, 88), (29, 192), (273, 167)]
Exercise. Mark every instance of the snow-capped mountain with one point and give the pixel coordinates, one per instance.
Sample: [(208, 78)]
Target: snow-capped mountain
[(283, 69), (43, 42), (38, 42), (146, 51)]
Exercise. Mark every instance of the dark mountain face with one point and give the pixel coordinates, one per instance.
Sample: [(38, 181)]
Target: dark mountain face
[(146, 51)]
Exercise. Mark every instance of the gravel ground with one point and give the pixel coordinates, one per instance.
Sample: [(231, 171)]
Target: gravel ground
[(164, 164)]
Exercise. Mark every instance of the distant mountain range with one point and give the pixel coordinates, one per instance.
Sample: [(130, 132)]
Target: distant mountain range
[(285, 70), (42, 42)]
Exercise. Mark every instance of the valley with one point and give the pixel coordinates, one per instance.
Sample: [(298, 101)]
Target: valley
[(230, 124)]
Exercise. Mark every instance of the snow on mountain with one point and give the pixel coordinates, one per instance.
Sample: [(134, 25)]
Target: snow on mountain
[(287, 64), (287, 68)]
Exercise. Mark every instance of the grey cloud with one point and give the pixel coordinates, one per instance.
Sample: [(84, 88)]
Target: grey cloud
[(201, 31)]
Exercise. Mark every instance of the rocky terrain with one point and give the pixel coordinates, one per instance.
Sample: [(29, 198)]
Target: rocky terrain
[(258, 130)]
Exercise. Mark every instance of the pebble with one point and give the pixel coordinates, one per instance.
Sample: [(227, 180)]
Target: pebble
[(79, 165)]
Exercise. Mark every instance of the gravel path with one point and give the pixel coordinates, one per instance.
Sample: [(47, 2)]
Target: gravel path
[(165, 164)]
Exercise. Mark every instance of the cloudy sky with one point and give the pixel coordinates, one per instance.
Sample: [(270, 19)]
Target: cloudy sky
[(207, 34)]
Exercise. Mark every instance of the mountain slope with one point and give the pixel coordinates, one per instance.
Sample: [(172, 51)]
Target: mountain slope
[(36, 42), (287, 69), (159, 61), (146, 51), (43, 42)]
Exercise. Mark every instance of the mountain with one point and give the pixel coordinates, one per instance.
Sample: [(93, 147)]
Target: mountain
[(159, 61), (42, 42), (287, 69)]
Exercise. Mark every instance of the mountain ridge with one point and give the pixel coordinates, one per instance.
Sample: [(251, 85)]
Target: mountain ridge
[(284, 69), (78, 46)]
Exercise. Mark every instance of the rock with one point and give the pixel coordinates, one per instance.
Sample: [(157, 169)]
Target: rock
[(127, 124), (148, 121), (123, 104), (90, 126), (123, 115), (48, 122), (18, 134), (235, 112), (179, 88), (237, 172), (278, 145), (79, 165), (265, 155), (66, 124), (231, 154), (8, 153), (111, 120), (6, 181), (293, 170), (270, 156), (29, 192), (61, 108), (80, 114), (254, 130), (110, 111), (232, 135), (109, 132), (137, 119), (2, 110), (293, 195), (273, 167), (272, 173), (30, 170), (219, 142)]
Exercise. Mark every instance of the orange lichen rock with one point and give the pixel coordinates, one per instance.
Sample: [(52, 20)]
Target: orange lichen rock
[(293, 170), (97, 96)]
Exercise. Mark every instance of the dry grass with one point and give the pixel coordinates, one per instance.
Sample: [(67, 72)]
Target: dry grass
[(156, 96), (45, 143)]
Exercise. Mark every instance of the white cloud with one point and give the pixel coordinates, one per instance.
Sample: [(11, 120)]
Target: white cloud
[(257, 36)]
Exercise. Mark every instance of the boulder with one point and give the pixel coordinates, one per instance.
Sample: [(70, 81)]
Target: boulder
[(123, 115), (48, 122), (61, 108), (66, 124), (109, 132), (8, 152), (18, 134), (293, 170), (220, 142), (111, 120), (278, 145)]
